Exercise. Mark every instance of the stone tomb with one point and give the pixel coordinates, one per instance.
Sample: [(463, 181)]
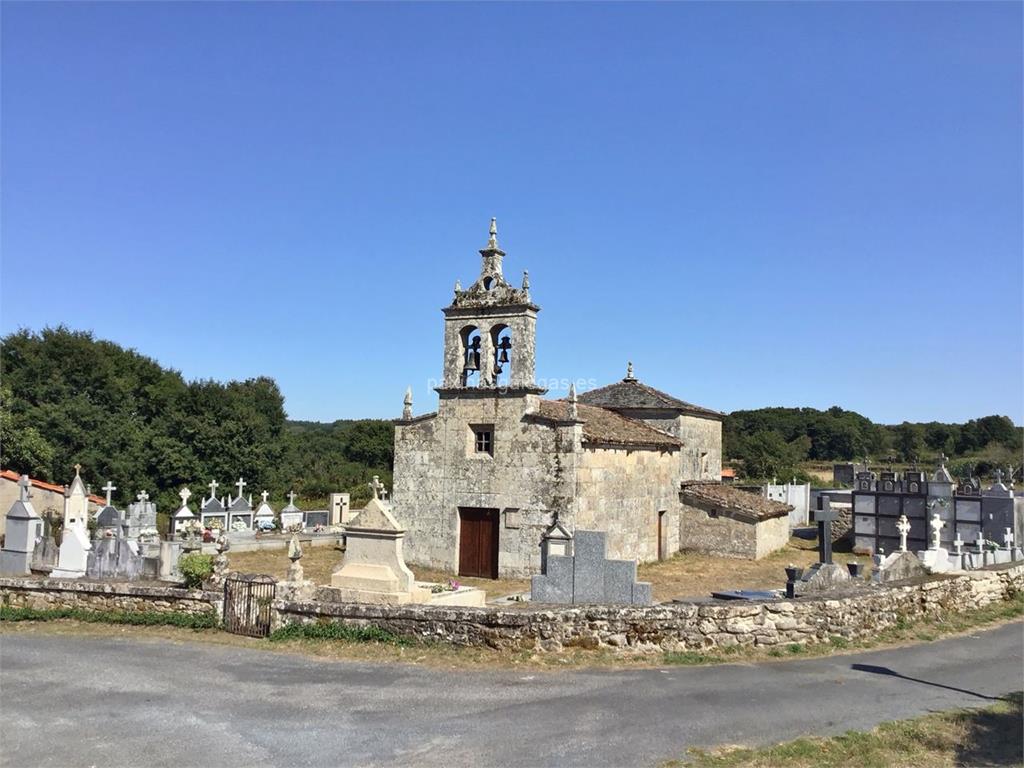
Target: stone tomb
[(24, 529), (73, 555), (587, 576)]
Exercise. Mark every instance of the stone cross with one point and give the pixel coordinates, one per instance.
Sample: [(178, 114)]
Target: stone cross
[(264, 495), (937, 524), (999, 476), (903, 526), (377, 486), (24, 484), (291, 498), (78, 469), (109, 488), (980, 543), (185, 494), (143, 497), (1008, 538), (824, 517), (943, 459), (213, 489), (958, 545), (241, 484)]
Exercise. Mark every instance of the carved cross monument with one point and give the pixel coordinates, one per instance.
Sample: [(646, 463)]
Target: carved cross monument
[(24, 486), (143, 497), (377, 486), (185, 494), (1008, 538), (824, 517), (937, 524), (980, 543), (291, 498), (213, 489), (109, 488), (241, 484), (264, 495), (903, 526)]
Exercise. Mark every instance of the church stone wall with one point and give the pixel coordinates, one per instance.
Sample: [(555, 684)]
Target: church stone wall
[(700, 435), (530, 475), (621, 491)]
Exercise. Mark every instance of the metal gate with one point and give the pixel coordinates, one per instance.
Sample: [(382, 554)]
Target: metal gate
[(247, 604)]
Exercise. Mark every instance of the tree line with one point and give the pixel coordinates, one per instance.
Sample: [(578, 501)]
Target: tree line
[(67, 398)]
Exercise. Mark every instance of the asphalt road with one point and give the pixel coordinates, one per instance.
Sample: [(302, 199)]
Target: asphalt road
[(80, 701)]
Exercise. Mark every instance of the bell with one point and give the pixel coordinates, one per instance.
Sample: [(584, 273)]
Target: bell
[(503, 357)]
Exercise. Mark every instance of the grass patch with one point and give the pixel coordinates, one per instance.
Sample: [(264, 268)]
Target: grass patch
[(990, 736), (924, 630), (135, 618), (328, 631)]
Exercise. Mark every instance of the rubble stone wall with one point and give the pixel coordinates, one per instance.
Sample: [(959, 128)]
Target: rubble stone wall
[(52, 594), (680, 626)]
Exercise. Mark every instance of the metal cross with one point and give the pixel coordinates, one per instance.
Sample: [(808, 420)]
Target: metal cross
[(937, 524), (24, 484), (184, 493), (903, 526), (241, 484), (824, 517), (109, 488)]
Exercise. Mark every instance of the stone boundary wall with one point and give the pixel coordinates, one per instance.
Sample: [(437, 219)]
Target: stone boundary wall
[(679, 626), (853, 614), (50, 594)]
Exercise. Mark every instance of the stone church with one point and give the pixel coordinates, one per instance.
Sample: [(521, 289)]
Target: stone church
[(479, 481)]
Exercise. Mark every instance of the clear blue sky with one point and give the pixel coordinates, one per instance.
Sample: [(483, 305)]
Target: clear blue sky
[(772, 204)]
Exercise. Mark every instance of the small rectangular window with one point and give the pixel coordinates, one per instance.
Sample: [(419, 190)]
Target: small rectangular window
[(484, 442)]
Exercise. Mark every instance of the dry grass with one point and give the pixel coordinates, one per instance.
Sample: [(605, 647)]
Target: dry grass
[(965, 737), (685, 575)]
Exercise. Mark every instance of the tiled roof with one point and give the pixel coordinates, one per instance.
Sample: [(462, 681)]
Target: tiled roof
[(631, 393), (749, 505), (10, 474), (728, 472), (609, 428)]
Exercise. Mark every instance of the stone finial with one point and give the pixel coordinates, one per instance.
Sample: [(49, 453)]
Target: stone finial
[(294, 548), (492, 241), (407, 404), (376, 486), (629, 372), (903, 526), (24, 488), (573, 409), (184, 493), (943, 459), (109, 488), (526, 280), (78, 470), (458, 287)]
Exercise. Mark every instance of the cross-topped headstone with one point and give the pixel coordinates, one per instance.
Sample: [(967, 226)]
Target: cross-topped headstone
[(376, 486), (213, 489), (937, 524), (24, 484), (999, 476), (185, 494), (980, 543), (109, 488), (291, 498), (824, 517), (264, 495), (903, 526), (241, 484), (1008, 538), (958, 545), (143, 497)]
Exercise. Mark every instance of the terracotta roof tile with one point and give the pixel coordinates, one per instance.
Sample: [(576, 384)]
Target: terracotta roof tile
[(632, 393), (750, 505), (10, 474), (609, 428)]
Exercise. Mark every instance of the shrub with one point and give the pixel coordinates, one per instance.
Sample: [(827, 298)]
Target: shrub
[(195, 569)]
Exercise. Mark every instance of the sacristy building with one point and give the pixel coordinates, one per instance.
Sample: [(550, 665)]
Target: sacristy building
[(479, 481)]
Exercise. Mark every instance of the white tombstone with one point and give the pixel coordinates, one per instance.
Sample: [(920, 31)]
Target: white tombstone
[(264, 517), (937, 524), (73, 555), (184, 515), (291, 515), (935, 558), (903, 526), (24, 529)]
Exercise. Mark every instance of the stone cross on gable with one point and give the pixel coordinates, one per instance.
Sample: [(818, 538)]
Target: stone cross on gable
[(943, 459), (109, 488), (24, 486), (213, 489), (264, 495), (377, 486), (78, 469), (937, 524), (241, 484), (291, 498), (999, 476), (903, 526), (185, 494), (824, 517), (143, 497)]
